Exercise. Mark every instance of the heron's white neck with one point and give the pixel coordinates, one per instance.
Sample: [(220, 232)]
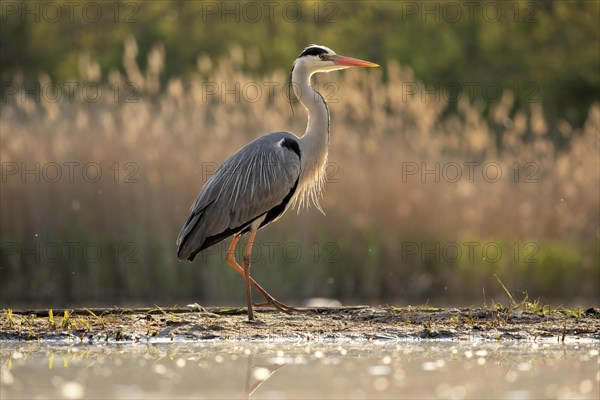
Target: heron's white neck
[(315, 141)]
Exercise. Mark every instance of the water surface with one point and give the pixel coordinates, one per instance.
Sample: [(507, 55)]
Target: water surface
[(314, 370)]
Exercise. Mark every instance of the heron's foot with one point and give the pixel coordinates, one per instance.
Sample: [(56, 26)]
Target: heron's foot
[(271, 302), (255, 322)]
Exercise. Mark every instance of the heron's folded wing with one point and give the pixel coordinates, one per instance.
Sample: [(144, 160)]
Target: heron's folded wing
[(253, 181)]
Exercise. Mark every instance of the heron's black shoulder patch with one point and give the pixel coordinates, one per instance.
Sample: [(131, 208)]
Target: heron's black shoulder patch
[(292, 145), (313, 51)]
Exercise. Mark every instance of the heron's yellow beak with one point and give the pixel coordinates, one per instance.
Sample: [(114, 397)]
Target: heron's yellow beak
[(351, 62)]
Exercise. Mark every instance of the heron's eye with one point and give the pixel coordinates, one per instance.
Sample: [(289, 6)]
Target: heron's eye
[(322, 56)]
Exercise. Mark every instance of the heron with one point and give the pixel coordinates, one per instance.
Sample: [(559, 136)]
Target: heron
[(257, 184)]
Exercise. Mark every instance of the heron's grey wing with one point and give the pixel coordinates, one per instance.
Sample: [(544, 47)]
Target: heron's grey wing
[(258, 180)]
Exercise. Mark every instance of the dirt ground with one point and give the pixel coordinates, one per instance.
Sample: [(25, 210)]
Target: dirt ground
[(359, 323)]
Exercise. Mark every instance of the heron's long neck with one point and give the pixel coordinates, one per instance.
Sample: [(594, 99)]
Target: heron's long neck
[(315, 141)]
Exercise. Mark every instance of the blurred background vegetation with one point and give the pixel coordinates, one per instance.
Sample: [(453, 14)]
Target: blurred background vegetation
[(157, 131), (551, 44)]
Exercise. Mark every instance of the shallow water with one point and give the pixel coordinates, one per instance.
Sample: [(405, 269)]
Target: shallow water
[(301, 370)]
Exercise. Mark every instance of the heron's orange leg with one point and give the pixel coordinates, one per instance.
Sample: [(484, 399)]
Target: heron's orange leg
[(230, 258), (246, 265)]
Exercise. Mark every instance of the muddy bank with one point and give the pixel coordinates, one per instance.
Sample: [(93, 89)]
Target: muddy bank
[(360, 323)]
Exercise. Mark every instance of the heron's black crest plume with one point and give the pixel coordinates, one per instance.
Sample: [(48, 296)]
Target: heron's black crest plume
[(313, 50), (290, 91)]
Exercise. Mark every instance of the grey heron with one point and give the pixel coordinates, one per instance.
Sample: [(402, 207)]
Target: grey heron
[(258, 183)]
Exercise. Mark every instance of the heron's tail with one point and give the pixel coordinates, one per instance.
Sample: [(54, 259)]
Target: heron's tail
[(190, 239), (197, 234)]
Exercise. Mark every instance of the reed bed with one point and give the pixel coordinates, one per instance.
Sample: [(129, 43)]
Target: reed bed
[(420, 204)]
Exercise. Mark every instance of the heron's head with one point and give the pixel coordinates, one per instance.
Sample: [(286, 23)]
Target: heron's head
[(317, 58)]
